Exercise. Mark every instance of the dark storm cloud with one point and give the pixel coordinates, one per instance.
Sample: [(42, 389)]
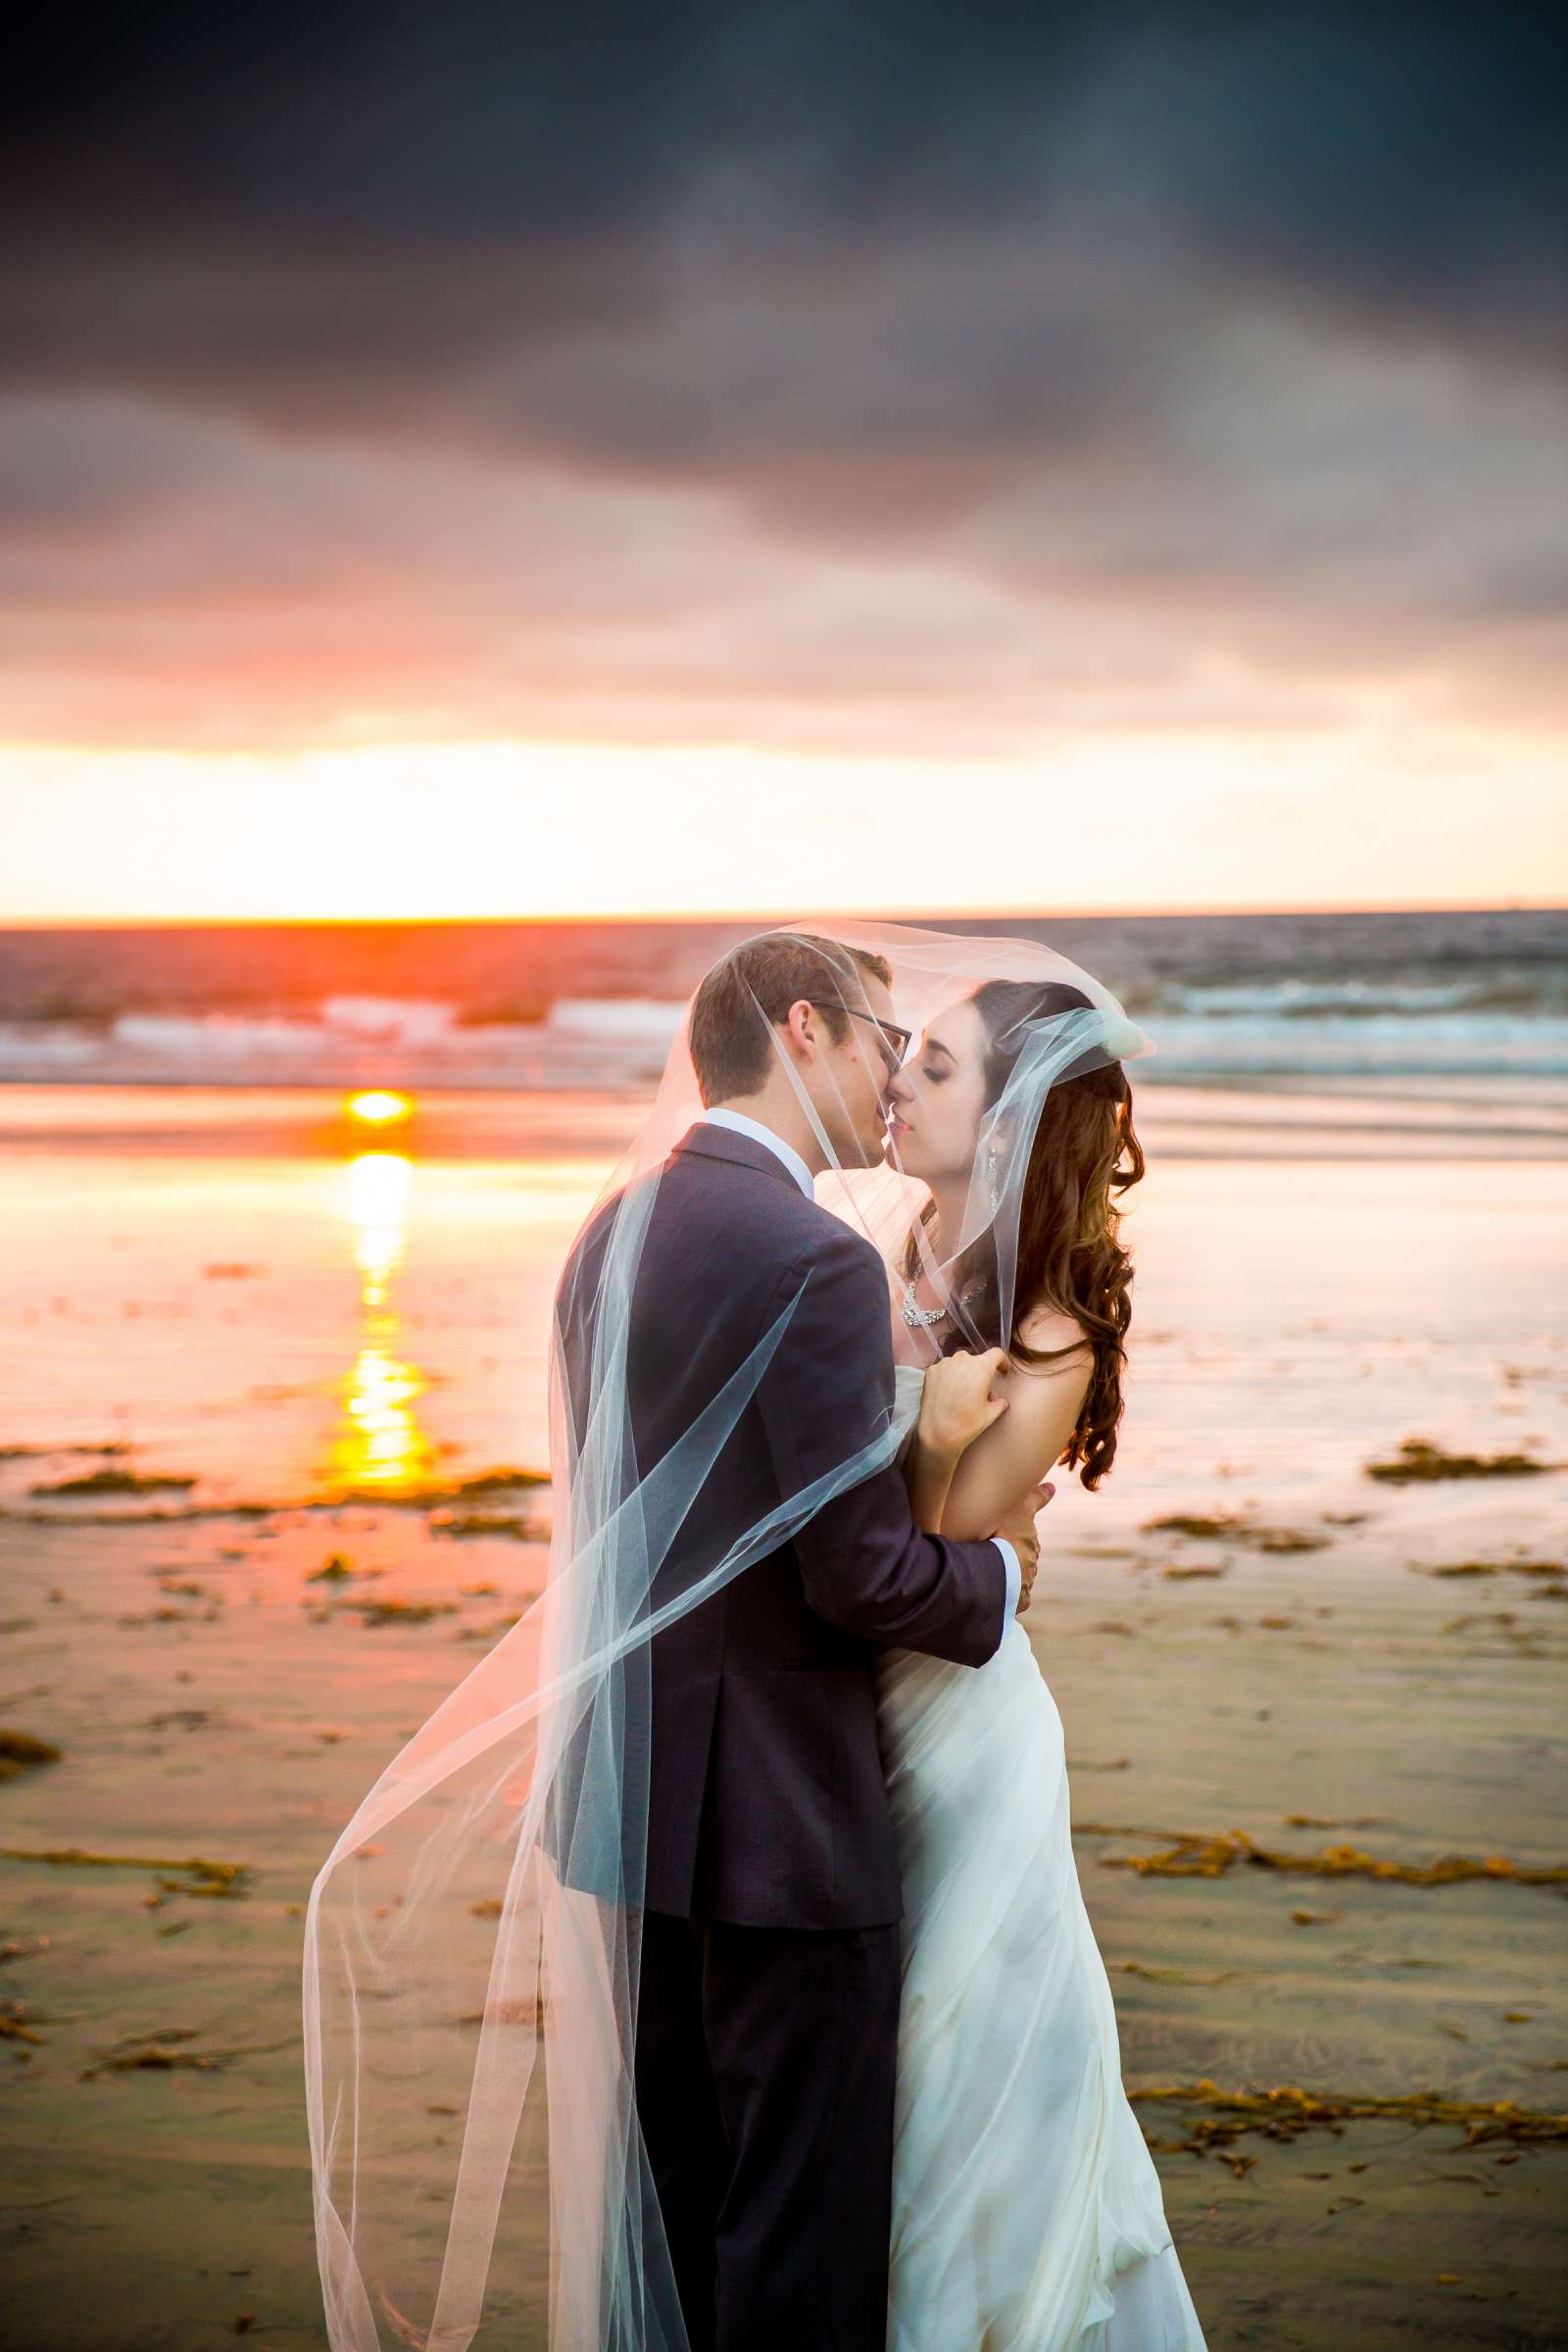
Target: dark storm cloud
[(1165, 362), (312, 206)]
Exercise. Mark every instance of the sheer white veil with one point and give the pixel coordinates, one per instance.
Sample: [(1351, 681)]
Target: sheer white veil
[(472, 1943)]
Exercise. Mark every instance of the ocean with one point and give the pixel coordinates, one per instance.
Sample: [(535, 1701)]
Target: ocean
[(1394, 1000)]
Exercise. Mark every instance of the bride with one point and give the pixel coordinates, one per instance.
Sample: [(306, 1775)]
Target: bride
[(1027, 2210)]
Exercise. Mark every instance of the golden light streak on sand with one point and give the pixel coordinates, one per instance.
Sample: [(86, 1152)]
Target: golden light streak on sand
[(380, 1442)]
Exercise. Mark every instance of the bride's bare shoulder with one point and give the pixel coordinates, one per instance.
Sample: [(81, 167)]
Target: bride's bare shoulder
[(1045, 1328)]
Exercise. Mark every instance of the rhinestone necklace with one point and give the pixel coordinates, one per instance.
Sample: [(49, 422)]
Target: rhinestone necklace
[(919, 1317)]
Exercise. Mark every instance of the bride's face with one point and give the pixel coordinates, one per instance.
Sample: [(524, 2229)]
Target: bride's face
[(938, 1098)]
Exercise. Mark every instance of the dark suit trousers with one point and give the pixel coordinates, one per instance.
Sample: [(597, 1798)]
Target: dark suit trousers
[(766, 2061)]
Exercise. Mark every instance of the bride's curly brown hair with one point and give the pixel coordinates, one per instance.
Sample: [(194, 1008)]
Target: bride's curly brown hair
[(1070, 1259)]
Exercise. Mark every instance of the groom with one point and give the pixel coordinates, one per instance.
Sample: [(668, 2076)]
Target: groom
[(768, 2018)]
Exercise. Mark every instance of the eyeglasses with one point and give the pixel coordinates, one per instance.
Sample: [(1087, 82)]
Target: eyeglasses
[(896, 1041)]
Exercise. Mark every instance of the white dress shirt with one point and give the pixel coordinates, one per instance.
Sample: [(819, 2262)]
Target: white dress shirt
[(739, 1124)]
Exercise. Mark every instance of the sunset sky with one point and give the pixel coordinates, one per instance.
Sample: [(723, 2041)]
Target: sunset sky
[(708, 457)]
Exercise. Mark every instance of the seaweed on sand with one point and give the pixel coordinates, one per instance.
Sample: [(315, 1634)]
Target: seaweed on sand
[(158, 2049), (338, 1571), (1419, 1458), (1191, 1523), (1491, 1568), (17, 1947), (419, 1495), (1210, 1854), (489, 1481), (1327, 1821), (153, 2051), (489, 1523), (1286, 2111), (1157, 1975), (1234, 1529), (151, 1518), (19, 1750), (488, 1632), (112, 1482), (400, 1612), (228, 1879)]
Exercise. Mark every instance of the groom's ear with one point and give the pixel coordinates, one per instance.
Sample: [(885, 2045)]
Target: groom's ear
[(803, 1026)]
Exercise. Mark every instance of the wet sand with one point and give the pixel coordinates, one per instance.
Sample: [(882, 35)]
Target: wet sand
[(213, 1697)]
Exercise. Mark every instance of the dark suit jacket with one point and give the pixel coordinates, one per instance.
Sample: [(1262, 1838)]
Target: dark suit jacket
[(755, 1711)]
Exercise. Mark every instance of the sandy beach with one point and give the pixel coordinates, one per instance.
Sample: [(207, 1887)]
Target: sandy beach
[(1291, 1686)]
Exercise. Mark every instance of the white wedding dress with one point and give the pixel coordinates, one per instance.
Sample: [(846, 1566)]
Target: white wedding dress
[(1027, 2212)]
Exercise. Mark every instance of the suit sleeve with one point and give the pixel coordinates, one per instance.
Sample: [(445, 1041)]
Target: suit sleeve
[(827, 1393)]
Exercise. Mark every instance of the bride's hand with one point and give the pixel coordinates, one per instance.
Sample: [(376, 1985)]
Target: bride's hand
[(957, 1404)]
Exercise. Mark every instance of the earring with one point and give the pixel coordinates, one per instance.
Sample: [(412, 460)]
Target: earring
[(993, 1179)]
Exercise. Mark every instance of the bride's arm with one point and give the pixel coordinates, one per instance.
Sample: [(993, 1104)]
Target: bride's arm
[(928, 1475), (968, 1491), (961, 1400)]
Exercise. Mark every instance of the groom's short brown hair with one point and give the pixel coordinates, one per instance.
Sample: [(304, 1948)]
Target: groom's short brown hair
[(730, 1050)]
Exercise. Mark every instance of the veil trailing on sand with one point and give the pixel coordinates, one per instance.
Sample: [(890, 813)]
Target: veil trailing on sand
[(472, 1943)]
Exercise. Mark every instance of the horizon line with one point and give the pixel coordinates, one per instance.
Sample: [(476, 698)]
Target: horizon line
[(772, 916)]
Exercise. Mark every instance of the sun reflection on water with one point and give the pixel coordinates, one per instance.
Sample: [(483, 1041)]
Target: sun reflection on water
[(378, 1442)]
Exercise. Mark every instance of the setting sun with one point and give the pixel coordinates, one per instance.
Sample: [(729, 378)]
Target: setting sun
[(380, 1108)]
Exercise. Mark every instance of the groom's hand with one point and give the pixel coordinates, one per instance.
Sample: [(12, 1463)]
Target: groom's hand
[(1018, 1528)]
